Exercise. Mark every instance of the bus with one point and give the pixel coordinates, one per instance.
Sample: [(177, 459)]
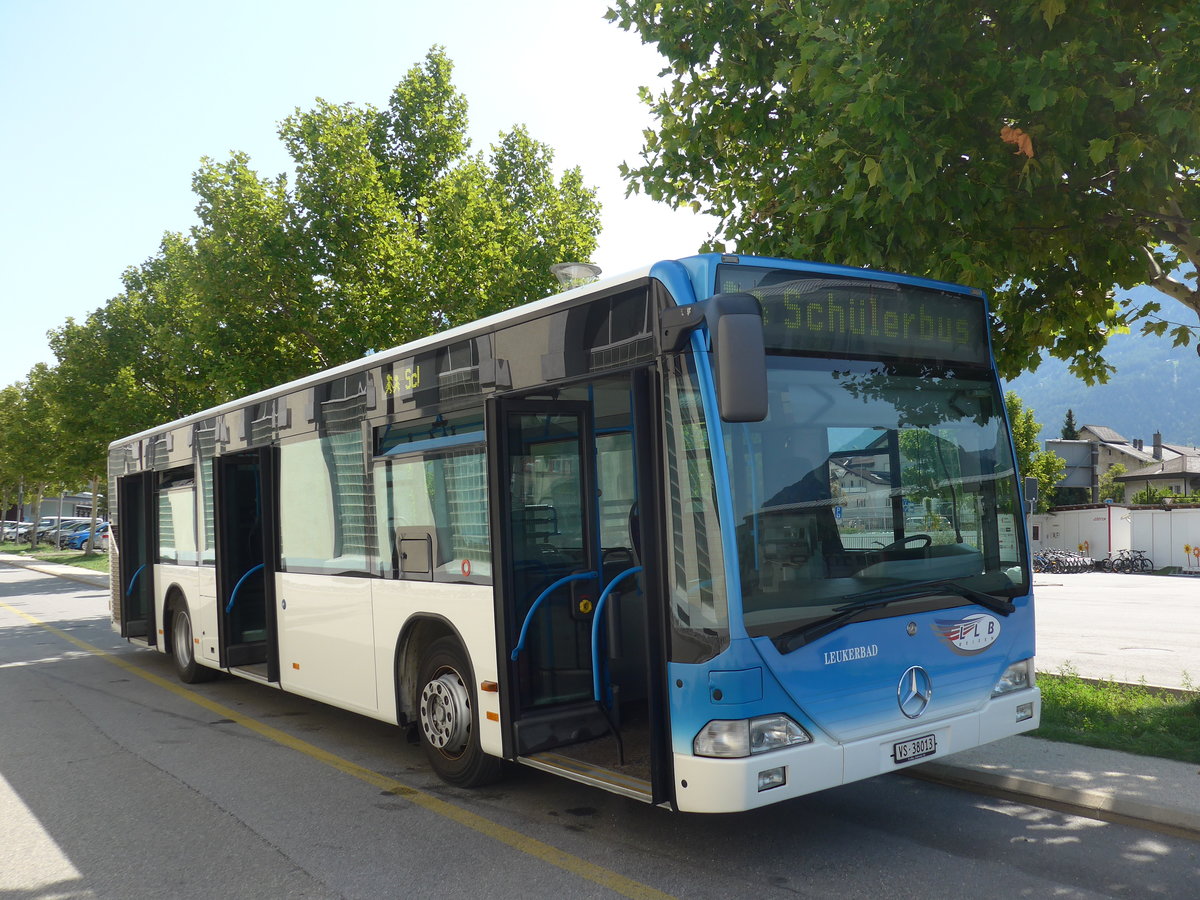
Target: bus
[(713, 534)]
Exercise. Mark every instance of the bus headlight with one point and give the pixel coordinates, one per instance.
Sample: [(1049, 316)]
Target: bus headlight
[(734, 738), (1016, 677)]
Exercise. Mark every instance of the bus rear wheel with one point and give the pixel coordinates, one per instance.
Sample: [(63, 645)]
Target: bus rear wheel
[(446, 717), (183, 648)]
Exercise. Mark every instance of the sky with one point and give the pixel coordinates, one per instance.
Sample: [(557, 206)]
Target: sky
[(108, 109)]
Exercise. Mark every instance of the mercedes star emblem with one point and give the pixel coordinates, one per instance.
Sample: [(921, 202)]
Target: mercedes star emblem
[(914, 691)]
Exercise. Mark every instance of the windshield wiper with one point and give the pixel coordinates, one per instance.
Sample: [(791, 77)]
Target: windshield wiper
[(882, 596)]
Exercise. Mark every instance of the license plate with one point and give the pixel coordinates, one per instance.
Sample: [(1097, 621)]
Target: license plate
[(915, 748)]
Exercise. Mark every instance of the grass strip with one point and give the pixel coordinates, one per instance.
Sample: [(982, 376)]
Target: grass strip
[(97, 562), (1132, 718)]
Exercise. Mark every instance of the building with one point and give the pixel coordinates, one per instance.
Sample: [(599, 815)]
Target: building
[(1180, 475), (1168, 533), (1099, 448), (66, 505)]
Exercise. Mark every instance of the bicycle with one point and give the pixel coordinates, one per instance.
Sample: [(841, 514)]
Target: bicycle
[(1131, 561)]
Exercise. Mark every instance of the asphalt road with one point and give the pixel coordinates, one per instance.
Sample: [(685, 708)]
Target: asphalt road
[(118, 782), (1122, 627)]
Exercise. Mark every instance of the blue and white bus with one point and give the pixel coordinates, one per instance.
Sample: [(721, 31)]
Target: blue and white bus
[(716, 533)]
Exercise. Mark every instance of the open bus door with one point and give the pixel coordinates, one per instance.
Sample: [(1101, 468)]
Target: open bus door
[(244, 488), (580, 649), (135, 555)]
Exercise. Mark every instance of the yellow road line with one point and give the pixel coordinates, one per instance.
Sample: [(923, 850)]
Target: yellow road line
[(615, 882)]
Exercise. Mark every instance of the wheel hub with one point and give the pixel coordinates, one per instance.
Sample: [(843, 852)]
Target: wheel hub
[(446, 713)]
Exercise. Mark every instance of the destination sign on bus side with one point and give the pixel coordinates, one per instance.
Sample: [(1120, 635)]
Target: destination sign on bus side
[(844, 319), (404, 380)]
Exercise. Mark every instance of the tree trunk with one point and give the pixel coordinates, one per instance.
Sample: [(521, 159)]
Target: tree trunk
[(35, 516)]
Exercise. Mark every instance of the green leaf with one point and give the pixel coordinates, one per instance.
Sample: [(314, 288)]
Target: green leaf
[(872, 170), (1099, 148), (1051, 10), (827, 138), (1122, 98)]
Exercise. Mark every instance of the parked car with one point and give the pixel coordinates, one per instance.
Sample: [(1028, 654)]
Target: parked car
[(13, 529), (69, 531), (79, 539), (47, 527), (23, 530)]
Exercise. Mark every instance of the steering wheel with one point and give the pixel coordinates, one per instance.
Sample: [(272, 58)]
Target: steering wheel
[(908, 539)]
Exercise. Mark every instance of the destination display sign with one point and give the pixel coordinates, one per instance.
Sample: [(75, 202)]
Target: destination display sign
[(861, 317), (404, 380)]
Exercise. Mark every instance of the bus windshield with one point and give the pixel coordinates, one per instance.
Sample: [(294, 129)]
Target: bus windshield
[(868, 478)]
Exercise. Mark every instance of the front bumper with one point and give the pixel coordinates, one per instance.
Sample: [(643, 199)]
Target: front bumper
[(704, 784)]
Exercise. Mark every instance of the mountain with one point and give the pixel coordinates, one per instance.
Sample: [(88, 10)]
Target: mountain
[(1156, 388)]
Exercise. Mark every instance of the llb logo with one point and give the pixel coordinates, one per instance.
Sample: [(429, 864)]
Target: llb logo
[(970, 635)]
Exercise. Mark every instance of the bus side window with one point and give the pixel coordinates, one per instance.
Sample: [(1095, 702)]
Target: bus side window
[(433, 517)]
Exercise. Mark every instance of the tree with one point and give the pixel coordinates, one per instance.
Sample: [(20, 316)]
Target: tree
[(29, 439), (1150, 495), (388, 231), (1041, 150), (1109, 488), (1047, 467), (11, 464), (125, 367), (1070, 432), (932, 466)]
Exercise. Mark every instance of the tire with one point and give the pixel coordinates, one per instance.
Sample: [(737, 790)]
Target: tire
[(183, 648), (446, 717)]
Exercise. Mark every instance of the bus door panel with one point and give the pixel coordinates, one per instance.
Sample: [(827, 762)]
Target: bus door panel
[(136, 555), (245, 502), (643, 607), (548, 574), (560, 565)]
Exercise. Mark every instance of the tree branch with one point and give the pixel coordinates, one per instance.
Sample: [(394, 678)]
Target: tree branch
[(1180, 229), (1173, 288)]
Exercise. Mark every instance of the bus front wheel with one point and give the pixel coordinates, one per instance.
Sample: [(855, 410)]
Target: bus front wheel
[(183, 648), (447, 717)]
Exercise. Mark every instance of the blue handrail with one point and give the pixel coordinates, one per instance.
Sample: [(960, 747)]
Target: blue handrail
[(608, 589), (578, 576), (241, 581), (133, 580)]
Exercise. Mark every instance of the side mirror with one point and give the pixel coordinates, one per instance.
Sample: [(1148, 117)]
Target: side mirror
[(739, 358)]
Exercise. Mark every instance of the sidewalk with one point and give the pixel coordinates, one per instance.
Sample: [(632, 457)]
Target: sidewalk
[(1096, 624), (1102, 783), (73, 573)]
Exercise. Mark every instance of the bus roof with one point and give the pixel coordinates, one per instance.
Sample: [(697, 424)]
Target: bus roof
[(394, 353), (699, 266)]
